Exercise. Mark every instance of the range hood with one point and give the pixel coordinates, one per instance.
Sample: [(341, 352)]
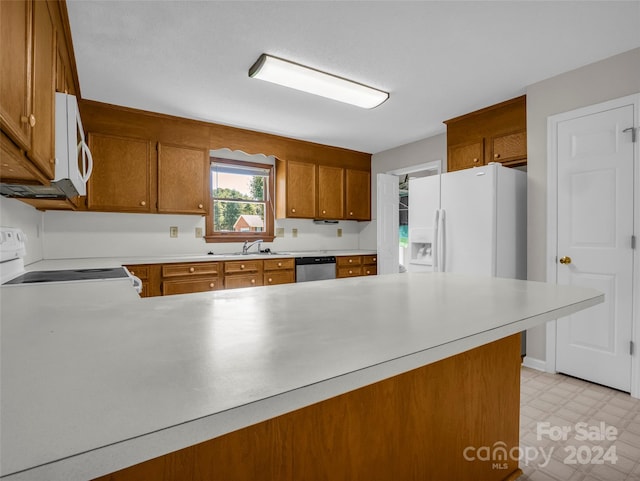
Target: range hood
[(73, 158), (61, 189)]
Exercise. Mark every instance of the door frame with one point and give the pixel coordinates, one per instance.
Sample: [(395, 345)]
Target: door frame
[(552, 225)]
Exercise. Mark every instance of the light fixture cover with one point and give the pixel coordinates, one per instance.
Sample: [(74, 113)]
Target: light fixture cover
[(299, 77)]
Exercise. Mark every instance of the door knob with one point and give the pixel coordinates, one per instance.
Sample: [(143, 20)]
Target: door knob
[(565, 260)]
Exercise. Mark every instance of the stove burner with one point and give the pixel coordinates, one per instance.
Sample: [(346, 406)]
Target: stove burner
[(69, 275)]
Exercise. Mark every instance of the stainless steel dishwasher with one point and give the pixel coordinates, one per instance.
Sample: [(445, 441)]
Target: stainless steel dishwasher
[(315, 268)]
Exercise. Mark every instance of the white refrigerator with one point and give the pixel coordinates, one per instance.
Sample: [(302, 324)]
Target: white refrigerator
[(471, 221)]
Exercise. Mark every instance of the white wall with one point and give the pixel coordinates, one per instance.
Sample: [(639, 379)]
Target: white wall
[(415, 153), (106, 234), (608, 79), (14, 213)]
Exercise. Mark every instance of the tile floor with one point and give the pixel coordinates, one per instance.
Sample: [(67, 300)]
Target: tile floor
[(563, 402)]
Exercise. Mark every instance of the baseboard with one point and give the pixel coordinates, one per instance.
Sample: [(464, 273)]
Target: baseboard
[(534, 363)]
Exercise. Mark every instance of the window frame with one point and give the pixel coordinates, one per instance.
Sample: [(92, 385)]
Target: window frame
[(268, 233)]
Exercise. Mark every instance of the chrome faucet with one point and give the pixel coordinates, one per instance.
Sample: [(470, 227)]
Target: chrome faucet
[(247, 246)]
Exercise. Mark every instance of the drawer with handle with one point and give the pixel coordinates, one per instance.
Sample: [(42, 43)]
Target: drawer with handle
[(187, 286), (233, 267), (190, 269)]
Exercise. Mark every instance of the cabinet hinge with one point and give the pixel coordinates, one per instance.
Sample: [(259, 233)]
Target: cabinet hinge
[(631, 348), (633, 242), (633, 133)]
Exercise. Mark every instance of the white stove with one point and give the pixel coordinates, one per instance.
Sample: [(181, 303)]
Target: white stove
[(12, 251), (12, 270)]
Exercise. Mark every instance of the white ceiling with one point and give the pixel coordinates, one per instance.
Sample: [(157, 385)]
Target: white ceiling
[(438, 60)]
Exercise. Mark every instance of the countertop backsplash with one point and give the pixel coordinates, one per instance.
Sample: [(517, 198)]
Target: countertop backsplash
[(104, 234)]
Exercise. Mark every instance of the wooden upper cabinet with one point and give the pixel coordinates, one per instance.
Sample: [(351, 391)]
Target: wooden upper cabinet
[(121, 176), (300, 190), (42, 117), (509, 148), (27, 89), (463, 156), (183, 180), (330, 192), (15, 62), (494, 134), (358, 195)]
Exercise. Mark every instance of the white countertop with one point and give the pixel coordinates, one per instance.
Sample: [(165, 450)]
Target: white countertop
[(94, 262), (95, 379)]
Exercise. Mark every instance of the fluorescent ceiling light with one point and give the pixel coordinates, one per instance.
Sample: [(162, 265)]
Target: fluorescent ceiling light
[(299, 77)]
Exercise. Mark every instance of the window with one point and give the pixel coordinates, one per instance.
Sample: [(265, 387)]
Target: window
[(241, 201)]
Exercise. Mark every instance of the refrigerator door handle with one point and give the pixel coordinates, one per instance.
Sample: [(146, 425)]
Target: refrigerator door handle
[(434, 246), (442, 241)]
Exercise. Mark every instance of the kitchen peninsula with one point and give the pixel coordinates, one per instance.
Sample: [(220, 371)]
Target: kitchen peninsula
[(385, 377)]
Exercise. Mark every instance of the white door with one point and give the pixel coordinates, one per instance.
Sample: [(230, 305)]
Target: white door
[(595, 172), (388, 222), (468, 217)]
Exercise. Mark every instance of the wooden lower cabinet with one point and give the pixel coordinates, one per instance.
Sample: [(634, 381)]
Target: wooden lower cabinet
[(279, 271), (191, 277), (369, 265), (150, 275), (355, 266), (188, 286), (414, 426), (243, 274)]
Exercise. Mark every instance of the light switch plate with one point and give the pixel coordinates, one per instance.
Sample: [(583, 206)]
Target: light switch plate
[(198, 232), (279, 231), (294, 232), (339, 232), (173, 231)]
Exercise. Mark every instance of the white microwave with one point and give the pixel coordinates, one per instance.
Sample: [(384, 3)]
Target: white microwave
[(73, 164), (73, 158)]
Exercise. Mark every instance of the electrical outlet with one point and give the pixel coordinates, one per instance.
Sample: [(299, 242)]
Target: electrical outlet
[(279, 231), (294, 232), (173, 231), (339, 232), (198, 232)]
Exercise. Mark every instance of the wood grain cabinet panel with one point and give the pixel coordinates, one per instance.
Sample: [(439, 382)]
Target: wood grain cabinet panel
[(278, 271), (188, 286), (343, 272), (15, 59), (400, 428), (183, 180), (42, 117), (27, 89), (465, 156), (298, 184), (358, 194), (243, 274), (330, 192), (121, 178), (191, 269), (509, 148), (348, 261), (497, 133)]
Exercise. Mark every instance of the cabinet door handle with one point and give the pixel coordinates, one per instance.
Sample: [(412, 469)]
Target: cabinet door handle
[(475, 160), (212, 285), (143, 203), (31, 120), (324, 211), (270, 280), (350, 261), (368, 272), (200, 206), (253, 281), (241, 266), (192, 269), (496, 156), (350, 272), (279, 264), (350, 213), (293, 211), (374, 259)]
